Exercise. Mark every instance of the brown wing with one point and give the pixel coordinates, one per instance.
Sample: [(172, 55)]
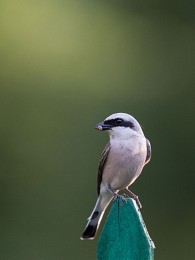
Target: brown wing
[(103, 159), (149, 151)]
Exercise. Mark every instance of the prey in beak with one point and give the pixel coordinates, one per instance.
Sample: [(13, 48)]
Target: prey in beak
[(103, 126)]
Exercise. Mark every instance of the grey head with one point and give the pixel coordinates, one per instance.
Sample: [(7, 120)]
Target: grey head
[(120, 125)]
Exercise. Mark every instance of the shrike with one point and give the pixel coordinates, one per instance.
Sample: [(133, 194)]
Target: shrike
[(121, 162)]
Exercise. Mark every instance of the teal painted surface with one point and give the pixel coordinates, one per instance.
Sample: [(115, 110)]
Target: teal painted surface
[(124, 236)]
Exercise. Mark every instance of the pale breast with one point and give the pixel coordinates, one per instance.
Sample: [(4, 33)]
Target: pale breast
[(124, 164)]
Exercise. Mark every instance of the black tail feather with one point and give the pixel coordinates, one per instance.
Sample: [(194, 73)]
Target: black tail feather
[(89, 232)]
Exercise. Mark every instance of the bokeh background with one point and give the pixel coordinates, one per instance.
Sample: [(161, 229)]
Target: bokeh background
[(66, 65)]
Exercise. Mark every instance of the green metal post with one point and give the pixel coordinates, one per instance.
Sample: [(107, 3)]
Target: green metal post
[(124, 236)]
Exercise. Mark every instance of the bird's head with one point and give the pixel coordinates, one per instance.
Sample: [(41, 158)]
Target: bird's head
[(120, 125)]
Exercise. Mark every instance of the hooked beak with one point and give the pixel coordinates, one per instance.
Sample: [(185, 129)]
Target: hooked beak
[(102, 126)]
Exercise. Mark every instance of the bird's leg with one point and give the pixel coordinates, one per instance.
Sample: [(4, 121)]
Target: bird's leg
[(116, 195), (135, 197)]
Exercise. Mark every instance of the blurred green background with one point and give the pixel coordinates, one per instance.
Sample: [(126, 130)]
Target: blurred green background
[(66, 65)]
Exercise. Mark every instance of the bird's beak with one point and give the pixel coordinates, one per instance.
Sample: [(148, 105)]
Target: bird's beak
[(102, 126)]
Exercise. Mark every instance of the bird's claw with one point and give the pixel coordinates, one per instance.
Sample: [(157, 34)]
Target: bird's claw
[(139, 205), (122, 197)]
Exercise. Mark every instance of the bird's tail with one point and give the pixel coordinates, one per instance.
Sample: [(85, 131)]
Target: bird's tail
[(96, 216)]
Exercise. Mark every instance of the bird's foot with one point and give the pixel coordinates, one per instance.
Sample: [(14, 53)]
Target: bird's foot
[(135, 197), (122, 197), (139, 205), (116, 195)]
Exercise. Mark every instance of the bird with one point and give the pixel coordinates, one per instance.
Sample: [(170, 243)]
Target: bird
[(121, 162)]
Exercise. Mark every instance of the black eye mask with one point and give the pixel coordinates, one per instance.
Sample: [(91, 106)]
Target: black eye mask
[(118, 122)]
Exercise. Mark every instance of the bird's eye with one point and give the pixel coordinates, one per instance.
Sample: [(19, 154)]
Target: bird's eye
[(118, 121)]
